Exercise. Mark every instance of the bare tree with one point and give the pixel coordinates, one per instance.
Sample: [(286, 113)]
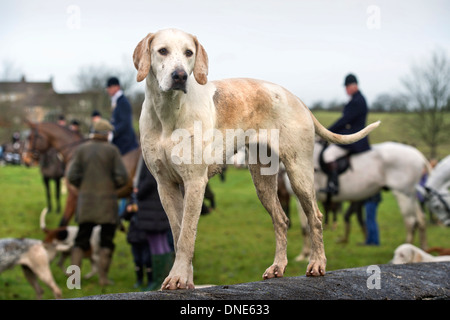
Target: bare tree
[(428, 86), (93, 78), (389, 103), (9, 71), (11, 114)]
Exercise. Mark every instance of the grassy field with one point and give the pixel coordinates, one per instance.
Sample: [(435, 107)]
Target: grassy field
[(235, 243)]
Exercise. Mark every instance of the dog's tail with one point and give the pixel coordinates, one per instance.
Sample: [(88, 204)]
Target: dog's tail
[(329, 136), (42, 219)]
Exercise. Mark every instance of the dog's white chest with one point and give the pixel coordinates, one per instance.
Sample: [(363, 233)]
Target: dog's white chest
[(157, 151)]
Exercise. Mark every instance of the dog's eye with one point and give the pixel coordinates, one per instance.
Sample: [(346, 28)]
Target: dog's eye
[(189, 53), (163, 51)]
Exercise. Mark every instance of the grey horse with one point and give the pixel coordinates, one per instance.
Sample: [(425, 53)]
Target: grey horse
[(436, 191), (391, 165)]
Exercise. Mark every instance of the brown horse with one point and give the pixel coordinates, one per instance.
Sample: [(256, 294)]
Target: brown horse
[(52, 168), (46, 135)]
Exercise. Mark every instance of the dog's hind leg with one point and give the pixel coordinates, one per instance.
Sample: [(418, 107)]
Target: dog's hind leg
[(301, 176), (32, 279), (266, 189), (40, 267)]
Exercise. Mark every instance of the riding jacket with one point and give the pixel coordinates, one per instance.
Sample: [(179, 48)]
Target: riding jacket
[(353, 119)]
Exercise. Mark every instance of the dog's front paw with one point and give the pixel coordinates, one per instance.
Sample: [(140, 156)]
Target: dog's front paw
[(177, 282), (316, 267), (274, 271)]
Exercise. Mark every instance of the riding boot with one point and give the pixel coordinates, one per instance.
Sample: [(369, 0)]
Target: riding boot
[(161, 264), (347, 232), (149, 280), (77, 256), (105, 258), (344, 239), (139, 276), (333, 179)]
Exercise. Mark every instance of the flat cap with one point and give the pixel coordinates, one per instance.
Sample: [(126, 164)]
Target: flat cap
[(102, 126)]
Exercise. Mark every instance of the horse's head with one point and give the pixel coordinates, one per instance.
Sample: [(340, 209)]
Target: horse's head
[(35, 144), (436, 191), (437, 201)]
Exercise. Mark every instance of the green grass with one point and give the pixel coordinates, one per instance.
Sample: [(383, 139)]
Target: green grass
[(235, 243)]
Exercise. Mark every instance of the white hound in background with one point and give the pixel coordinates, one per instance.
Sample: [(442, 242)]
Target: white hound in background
[(408, 253)]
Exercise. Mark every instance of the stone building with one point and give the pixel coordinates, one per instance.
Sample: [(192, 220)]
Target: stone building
[(38, 101)]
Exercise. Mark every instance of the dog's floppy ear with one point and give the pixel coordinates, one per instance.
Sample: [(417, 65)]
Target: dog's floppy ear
[(141, 57), (201, 64), (416, 256)]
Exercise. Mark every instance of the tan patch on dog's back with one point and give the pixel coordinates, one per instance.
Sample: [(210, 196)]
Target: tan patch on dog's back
[(242, 103)]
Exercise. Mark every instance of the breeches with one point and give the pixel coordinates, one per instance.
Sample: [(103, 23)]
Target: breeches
[(107, 233), (333, 152)]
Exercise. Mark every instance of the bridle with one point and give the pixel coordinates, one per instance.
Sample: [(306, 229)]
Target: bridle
[(434, 193), (34, 151)]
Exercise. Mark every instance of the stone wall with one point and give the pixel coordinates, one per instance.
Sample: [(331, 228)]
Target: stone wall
[(418, 281)]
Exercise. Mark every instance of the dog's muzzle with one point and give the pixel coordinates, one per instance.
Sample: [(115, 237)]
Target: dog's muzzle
[(179, 78)]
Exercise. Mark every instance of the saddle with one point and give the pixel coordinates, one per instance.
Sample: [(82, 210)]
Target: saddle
[(333, 170), (342, 164)]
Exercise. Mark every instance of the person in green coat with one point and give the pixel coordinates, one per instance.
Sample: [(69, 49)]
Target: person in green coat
[(97, 171)]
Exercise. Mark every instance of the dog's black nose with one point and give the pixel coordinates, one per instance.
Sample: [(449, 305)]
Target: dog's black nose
[(179, 76)]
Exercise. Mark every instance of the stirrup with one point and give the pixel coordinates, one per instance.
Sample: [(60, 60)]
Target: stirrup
[(330, 190)]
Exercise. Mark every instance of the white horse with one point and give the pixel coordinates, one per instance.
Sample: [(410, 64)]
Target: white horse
[(390, 165), (436, 191)]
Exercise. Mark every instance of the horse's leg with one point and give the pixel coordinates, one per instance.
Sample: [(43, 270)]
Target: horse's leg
[(336, 208), (412, 216), (58, 194), (421, 224), (358, 208), (326, 213), (47, 192), (209, 194), (347, 225)]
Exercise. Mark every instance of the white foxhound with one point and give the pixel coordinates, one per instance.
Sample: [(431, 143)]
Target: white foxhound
[(181, 103)]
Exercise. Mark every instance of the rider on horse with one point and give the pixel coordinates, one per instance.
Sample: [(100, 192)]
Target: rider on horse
[(353, 119)]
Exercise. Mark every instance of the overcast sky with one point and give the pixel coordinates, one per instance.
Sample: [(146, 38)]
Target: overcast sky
[(306, 46)]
